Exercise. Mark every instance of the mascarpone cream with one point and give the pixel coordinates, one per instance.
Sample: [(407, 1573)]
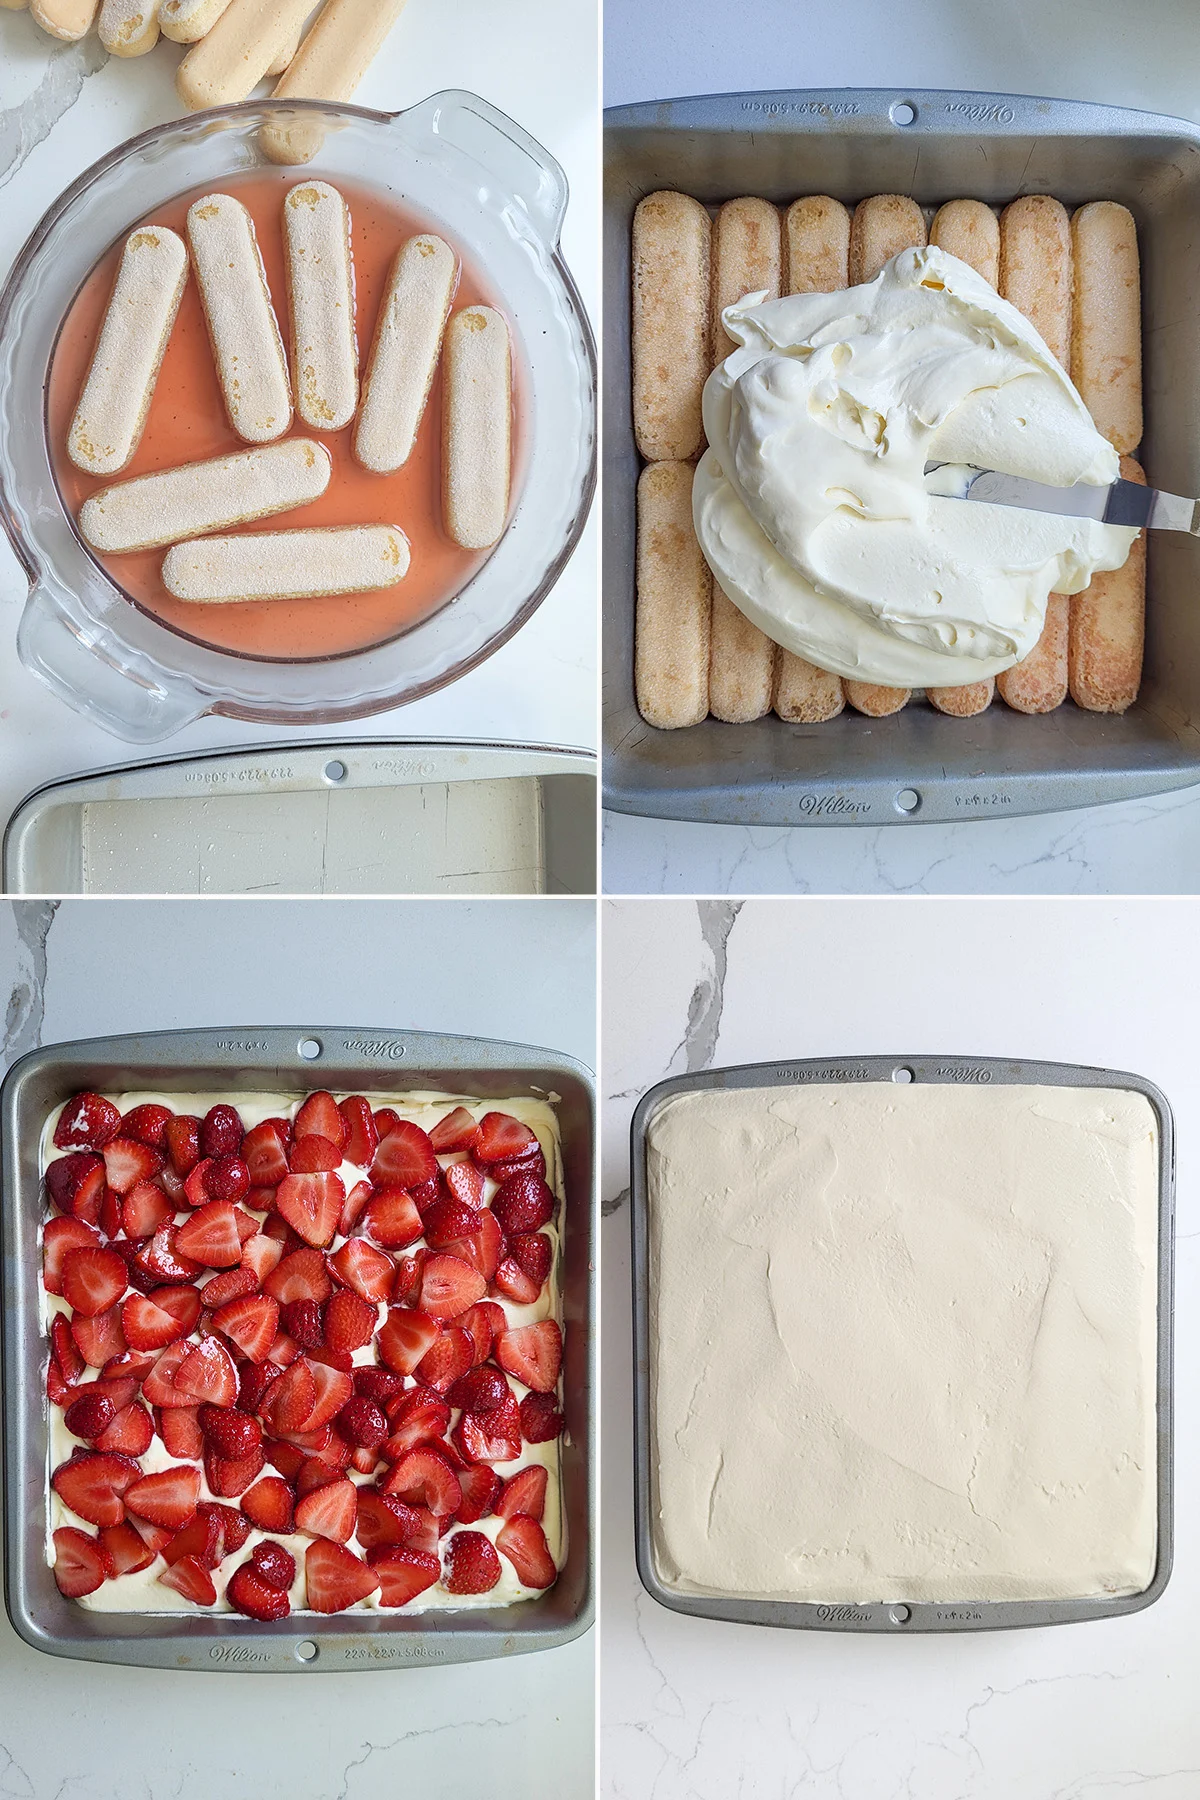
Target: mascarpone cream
[(811, 503)]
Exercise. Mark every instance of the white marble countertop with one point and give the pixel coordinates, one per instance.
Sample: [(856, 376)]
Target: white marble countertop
[(520, 1729), (1141, 56), (62, 107), (692, 1709)]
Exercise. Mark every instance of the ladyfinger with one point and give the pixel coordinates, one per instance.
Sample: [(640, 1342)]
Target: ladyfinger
[(476, 427), (69, 19), (670, 326), (14, 5), (316, 232), (746, 259), (285, 56), (111, 415), (287, 565), (186, 502), (881, 228), (129, 27), (1108, 628), (187, 21), (1035, 275), (1106, 327), (404, 352), (330, 63), (227, 64), (246, 342), (674, 601), (971, 231)]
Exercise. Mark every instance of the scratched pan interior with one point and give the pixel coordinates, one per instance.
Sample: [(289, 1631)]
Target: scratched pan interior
[(992, 147), (366, 1061), (921, 1616)]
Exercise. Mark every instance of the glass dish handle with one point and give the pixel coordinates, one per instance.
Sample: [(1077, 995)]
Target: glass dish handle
[(490, 138), (101, 678)]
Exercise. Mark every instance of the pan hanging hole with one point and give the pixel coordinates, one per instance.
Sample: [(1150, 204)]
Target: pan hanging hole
[(902, 1076), (902, 112), (309, 1048), (307, 1652)]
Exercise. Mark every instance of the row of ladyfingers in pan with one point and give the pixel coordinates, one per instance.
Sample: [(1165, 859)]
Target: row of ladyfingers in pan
[(1075, 279)]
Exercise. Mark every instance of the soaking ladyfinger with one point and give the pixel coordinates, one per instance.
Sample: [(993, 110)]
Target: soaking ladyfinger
[(674, 601), (476, 427), (287, 565), (670, 325), (320, 279), (246, 341), (404, 352), (173, 504)]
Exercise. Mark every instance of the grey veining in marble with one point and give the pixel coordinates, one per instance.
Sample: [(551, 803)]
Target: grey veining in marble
[(24, 126), (27, 995)]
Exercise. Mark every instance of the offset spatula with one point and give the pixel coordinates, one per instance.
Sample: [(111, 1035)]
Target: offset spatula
[(1124, 503)]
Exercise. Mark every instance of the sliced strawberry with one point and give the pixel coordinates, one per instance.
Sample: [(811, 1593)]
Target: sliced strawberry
[(484, 1322), (133, 1365), (404, 1338), (480, 1490), (362, 1423), (482, 1247), (334, 1388), (235, 1526), (329, 1511), (386, 1119), (524, 1543), (403, 1574), (221, 1131), (200, 1537), (405, 1157), (207, 1372), (302, 1320), (181, 1138), (361, 1139), (92, 1280), (92, 1484), (472, 1566), (251, 1323), (335, 1578), (314, 1473), (409, 1270), (144, 1208), (284, 1350), (59, 1392), (533, 1353), (226, 1178), (446, 1360), (179, 1428), (148, 1326), (523, 1203), (319, 1117), (131, 1432), (125, 1548), (155, 1537), (383, 1520), (349, 1321), (312, 1155), (535, 1253), (392, 1219), (256, 1598), (290, 1400), (110, 1213), (67, 1177), (311, 1205), (494, 1438), (191, 1579), (247, 1225), (99, 1339), (524, 1492), (64, 1349), (427, 1193), (232, 1433), (81, 1562), (532, 1163), (276, 1565), (301, 1275), (172, 1186), (161, 1259), (465, 1183), (168, 1497), (88, 1416), (195, 1190), (159, 1385), (352, 1207), (449, 1219), (380, 1385), (502, 1137), (210, 1236), (481, 1390), (365, 1269), (457, 1131), (229, 1478), (253, 1381), (148, 1124), (126, 1163), (424, 1478), (541, 1420), (261, 1255), (269, 1504), (419, 1416), (86, 1122), (511, 1280), (230, 1284), (449, 1285), (262, 1152)]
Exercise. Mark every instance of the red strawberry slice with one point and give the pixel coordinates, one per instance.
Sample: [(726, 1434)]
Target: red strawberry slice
[(261, 1255), (65, 1350), (383, 1520), (404, 1338), (352, 1207), (92, 1280), (535, 1253), (425, 1194), (226, 1178), (251, 1323), (148, 1124), (380, 1385), (284, 1350), (58, 1391), (235, 1526), (424, 1478), (329, 1511), (465, 1183), (221, 1131), (532, 1164), (311, 1205), (253, 1381), (334, 1577), (289, 1401), (88, 1416), (269, 1504), (86, 1122), (541, 1420), (230, 1284), (98, 1340), (200, 1537), (302, 1320), (249, 1593), (126, 1163), (365, 1269), (131, 1432), (179, 1428), (233, 1434), (110, 1213), (155, 1537), (405, 1156), (168, 1497), (247, 1225), (449, 1285), (362, 1423), (92, 1484), (87, 1200), (126, 1549), (449, 1219), (144, 1208), (524, 1543), (315, 1473), (533, 1353), (392, 1219), (159, 1385), (482, 1247), (262, 1153), (409, 1270), (480, 1490), (172, 1186), (472, 1566), (524, 1492), (361, 1139), (67, 1177), (501, 1137), (181, 1139), (493, 1439), (403, 1574), (132, 1365), (161, 1259), (421, 1417), (228, 1478), (301, 1275), (207, 1372), (195, 1189), (190, 1578), (480, 1390), (148, 1326), (457, 1131), (81, 1562), (276, 1565), (319, 1117), (484, 1322), (448, 1359), (182, 1302), (511, 1280), (310, 1155), (349, 1321), (210, 1236), (334, 1388), (522, 1204), (386, 1119)]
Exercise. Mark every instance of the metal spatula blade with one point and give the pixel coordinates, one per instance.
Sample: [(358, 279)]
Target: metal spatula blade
[(1124, 503)]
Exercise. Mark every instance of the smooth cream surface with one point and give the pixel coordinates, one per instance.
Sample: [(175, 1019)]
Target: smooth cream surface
[(904, 1342), (811, 503)]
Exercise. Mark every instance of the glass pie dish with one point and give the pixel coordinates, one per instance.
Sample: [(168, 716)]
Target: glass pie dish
[(498, 194)]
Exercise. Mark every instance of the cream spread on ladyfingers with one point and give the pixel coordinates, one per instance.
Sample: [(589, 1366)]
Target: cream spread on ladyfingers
[(904, 1342), (812, 505)]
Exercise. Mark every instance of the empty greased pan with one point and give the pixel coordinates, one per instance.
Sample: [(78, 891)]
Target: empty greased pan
[(915, 1615), (919, 764), (368, 1061)]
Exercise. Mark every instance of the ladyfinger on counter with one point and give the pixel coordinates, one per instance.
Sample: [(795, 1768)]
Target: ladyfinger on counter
[(747, 251), (670, 326), (14, 5), (227, 64), (674, 601), (281, 62), (971, 231), (1035, 275), (246, 341), (111, 415), (187, 21), (476, 427), (129, 27), (287, 565), (404, 352), (880, 229), (320, 277), (1106, 328), (1108, 627), (69, 19), (173, 504), (332, 59)]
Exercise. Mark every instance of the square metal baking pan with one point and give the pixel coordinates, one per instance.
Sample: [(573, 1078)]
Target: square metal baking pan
[(993, 147), (916, 1615), (367, 1061), (360, 816)]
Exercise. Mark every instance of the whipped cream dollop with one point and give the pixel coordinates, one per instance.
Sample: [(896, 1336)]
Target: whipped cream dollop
[(812, 505)]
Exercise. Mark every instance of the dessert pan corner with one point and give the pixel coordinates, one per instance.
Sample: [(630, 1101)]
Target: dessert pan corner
[(885, 1616), (368, 1060), (919, 765)]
